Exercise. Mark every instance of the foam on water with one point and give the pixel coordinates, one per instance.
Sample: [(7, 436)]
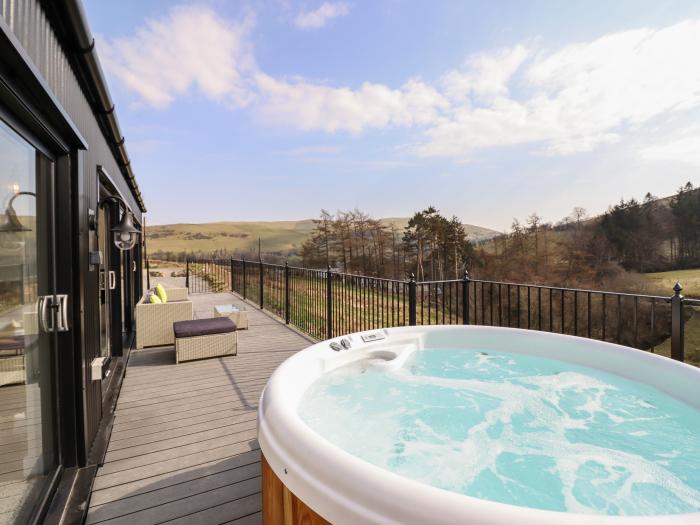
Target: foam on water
[(516, 429)]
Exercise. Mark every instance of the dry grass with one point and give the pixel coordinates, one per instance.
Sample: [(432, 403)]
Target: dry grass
[(279, 236), (692, 341), (662, 282), (276, 236)]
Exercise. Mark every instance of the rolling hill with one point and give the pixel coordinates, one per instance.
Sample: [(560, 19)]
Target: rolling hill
[(279, 237)]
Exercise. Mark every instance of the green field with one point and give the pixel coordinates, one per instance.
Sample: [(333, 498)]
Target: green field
[(281, 237), (663, 282), (277, 236), (692, 340)]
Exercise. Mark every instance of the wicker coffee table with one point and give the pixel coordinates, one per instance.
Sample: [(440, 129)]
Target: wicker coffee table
[(236, 314)]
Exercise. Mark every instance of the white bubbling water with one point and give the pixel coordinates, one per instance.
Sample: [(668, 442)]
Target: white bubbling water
[(517, 429)]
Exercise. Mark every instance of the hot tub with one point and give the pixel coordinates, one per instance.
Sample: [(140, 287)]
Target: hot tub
[(479, 425)]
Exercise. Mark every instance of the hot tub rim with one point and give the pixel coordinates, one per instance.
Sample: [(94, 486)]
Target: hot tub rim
[(319, 485)]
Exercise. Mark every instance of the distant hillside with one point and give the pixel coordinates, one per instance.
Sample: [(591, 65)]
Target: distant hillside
[(604, 251), (280, 237), (275, 236), (474, 233)]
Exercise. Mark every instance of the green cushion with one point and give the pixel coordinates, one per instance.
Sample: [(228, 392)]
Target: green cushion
[(155, 299), (160, 291)]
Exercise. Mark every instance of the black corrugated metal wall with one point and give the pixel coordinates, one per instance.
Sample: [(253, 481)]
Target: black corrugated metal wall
[(29, 23)]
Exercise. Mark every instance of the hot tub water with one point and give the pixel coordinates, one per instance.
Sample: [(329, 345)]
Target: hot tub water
[(516, 429)]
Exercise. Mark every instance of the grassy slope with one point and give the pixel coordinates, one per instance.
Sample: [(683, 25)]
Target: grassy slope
[(276, 236), (663, 282), (692, 341)]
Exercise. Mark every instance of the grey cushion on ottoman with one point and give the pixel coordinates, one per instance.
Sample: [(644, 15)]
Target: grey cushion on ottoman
[(203, 338), (197, 327)]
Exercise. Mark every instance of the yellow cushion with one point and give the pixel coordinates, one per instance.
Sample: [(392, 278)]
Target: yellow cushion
[(155, 299), (160, 291)]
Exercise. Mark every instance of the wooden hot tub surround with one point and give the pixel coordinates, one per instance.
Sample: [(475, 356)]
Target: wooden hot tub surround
[(280, 506)]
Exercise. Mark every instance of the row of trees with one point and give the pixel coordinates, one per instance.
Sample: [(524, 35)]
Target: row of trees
[(352, 241), (637, 236), (632, 236), (437, 247), (655, 234), (685, 208), (431, 246)]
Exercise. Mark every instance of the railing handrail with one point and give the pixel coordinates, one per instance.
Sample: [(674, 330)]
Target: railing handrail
[(309, 298), (579, 290), (445, 281)]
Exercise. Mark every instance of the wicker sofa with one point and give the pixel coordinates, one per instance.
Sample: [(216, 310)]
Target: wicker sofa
[(154, 322)]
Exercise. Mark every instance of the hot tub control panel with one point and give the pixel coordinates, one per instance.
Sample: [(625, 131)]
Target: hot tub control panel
[(373, 336), (345, 343)]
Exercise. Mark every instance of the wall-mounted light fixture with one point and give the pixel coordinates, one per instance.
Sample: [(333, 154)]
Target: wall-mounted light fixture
[(12, 223), (125, 233)]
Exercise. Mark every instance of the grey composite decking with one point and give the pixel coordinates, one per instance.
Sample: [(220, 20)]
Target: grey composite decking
[(183, 447)]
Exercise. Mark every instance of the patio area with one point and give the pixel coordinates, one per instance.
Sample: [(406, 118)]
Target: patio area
[(183, 446)]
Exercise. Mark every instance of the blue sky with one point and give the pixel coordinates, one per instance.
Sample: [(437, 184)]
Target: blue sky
[(487, 110)]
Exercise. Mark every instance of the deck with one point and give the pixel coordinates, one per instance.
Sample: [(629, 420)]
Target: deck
[(183, 447)]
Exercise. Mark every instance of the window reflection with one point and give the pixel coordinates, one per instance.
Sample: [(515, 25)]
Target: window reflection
[(26, 430), (18, 264)]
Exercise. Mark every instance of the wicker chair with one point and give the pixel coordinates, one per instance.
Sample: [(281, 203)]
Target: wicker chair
[(154, 322)]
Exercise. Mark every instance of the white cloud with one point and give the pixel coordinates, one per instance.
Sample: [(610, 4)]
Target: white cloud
[(485, 74), (557, 102), (313, 106), (576, 98), (318, 18), (190, 47)]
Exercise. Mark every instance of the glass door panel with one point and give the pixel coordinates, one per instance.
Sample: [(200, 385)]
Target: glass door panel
[(106, 278), (28, 434)]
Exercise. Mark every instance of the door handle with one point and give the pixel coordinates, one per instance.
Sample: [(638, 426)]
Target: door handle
[(45, 313), (112, 280), (46, 306), (62, 313)]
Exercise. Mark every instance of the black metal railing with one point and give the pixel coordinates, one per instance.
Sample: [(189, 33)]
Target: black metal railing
[(208, 275), (324, 303)]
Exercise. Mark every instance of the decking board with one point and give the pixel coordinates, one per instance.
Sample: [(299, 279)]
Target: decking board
[(183, 446)]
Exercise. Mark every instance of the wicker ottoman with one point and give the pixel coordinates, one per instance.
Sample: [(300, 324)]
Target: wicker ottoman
[(203, 338)]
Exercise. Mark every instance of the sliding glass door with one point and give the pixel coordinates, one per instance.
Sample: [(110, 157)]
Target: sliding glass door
[(28, 321)]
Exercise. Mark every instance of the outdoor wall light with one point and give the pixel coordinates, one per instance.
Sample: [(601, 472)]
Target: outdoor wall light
[(12, 223), (125, 233)]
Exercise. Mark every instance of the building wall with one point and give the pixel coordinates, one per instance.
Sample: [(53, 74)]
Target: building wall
[(28, 22), (30, 25)]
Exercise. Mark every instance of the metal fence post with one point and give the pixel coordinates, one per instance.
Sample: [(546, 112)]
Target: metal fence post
[(262, 283), (465, 298), (148, 275), (286, 292), (187, 274), (329, 303), (677, 336), (412, 300), (232, 274), (245, 280)]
